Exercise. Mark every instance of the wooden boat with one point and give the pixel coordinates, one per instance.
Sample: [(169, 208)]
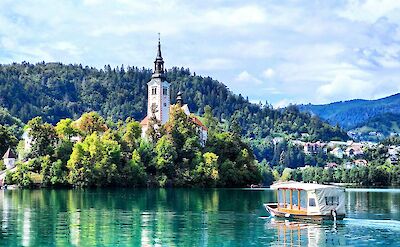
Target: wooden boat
[(307, 201)]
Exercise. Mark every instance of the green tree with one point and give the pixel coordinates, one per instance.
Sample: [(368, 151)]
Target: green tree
[(90, 122), (65, 129), (7, 139), (43, 136), (94, 161), (209, 120), (206, 171), (266, 173), (52, 172), (132, 133), (286, 174), (136, 171), (165, 157)]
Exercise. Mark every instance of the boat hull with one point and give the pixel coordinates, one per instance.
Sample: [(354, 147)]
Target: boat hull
[(274, 211)]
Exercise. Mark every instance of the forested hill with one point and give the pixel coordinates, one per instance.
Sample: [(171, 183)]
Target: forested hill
[(354, 113), (55, 91)]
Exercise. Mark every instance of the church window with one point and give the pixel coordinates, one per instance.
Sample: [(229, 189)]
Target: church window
[(153, 91), (165, 91)]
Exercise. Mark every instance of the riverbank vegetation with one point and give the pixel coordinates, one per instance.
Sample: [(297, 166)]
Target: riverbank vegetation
[(93, 151)]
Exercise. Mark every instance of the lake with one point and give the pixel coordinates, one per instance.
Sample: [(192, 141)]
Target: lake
[(186, 217)]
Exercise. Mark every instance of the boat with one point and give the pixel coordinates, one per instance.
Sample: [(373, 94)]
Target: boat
[(307, 201)]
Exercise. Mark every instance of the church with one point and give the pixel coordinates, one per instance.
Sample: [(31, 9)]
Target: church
[(159, 100)]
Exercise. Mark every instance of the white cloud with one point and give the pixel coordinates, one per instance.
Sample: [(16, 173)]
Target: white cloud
[(293, 51), (234, 17), (245, 76), (369, 10), (268, 73), (272, 90), (282, 103), (344, 87), (210, 64)]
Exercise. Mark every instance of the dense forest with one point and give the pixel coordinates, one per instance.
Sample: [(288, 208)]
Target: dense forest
[(56, 91)]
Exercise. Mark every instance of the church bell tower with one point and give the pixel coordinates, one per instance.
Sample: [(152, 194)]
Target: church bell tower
[(158, 94)]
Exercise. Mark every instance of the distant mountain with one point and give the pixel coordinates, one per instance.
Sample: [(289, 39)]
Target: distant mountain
[(378, 127), (358, 113)]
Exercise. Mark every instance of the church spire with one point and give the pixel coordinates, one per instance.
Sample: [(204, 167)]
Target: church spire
[(159, 47), (159, 62)]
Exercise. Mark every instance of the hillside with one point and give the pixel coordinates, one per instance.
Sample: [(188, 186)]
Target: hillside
[(384, 124), (354, 113), (55, 91)]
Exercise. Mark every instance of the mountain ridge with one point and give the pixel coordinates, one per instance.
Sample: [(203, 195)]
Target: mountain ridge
[(353, 113)]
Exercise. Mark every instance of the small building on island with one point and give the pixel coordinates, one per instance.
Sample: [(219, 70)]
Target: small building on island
[(159, 100), (9, 159)]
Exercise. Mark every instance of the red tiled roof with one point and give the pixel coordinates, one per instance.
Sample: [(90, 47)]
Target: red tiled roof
[(195, 120), (199, 123), (145, 121)]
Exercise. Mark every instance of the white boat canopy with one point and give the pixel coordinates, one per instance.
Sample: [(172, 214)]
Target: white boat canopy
[(300, 186), (315, 199)]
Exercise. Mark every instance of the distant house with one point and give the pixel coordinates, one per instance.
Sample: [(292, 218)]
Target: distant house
[(354, 150), (337, 152), (393, 152), (9, 159), (393, 160), (298, 143), (314, 148), (277, 140), (331, 165), (334, 144), (76, 138), (349, 165), (360, 162)]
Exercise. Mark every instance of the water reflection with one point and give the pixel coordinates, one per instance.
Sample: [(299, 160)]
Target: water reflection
[(292, 233), (179, 217)]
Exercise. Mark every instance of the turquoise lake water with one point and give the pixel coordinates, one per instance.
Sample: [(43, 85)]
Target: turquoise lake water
[(187, 217)]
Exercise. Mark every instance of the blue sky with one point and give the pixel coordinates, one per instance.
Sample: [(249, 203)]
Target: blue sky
[(277, 51)]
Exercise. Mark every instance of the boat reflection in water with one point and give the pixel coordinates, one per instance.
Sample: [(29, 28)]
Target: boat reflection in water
[(294, 233)]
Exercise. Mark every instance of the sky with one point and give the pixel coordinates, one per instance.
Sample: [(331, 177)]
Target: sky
[(282, 52)]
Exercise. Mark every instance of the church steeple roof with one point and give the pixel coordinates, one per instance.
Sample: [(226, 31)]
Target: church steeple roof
[(159, 62), (9, 154), (159, 48), (179, 99)]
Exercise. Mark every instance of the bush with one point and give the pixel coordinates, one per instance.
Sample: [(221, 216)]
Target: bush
[(2, 166)]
